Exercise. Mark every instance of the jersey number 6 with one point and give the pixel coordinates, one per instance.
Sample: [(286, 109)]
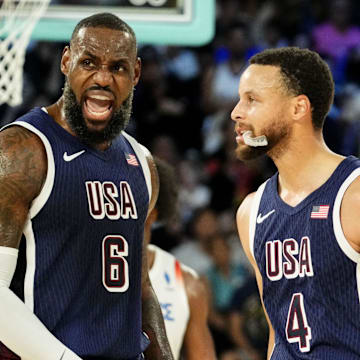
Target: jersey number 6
[(115, 267)]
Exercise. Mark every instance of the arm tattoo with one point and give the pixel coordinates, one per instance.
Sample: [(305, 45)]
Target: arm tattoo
[(23, 168)]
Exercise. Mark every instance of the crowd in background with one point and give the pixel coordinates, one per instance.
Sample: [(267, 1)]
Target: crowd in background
[(181, 112)]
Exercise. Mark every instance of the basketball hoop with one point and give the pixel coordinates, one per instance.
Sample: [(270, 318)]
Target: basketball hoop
[(17, 21)]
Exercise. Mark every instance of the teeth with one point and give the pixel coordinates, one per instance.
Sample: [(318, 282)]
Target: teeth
[(99, 97), (98, 113)]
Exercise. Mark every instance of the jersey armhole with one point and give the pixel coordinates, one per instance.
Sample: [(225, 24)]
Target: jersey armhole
[(140, 153), (338, 230), (253, 214)]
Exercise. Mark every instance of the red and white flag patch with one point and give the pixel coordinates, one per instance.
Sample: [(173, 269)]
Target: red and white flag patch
[(131, 159), (320, 212)]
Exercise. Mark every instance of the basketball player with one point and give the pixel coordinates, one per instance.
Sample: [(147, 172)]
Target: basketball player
[(75, 193), (181, 293), (301, 229)]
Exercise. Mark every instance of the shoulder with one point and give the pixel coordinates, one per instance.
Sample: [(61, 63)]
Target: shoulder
[(248, 205), (354, 189), (350, 212), (23, 168), (243, 217), (243, 213), (22, 145), (194, 285)]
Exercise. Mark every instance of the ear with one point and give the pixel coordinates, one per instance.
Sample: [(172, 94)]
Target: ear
[(301, 107), (137, 71), (65, 61)]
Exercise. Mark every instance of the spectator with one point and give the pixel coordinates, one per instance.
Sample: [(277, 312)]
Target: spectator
[(194, 251), (336, 37)]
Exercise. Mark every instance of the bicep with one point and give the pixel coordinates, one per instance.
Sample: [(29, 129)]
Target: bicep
[(22, 172), (243, 223)]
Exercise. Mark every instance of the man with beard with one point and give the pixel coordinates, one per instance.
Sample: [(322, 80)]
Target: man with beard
[(75, 193), (300, 230)]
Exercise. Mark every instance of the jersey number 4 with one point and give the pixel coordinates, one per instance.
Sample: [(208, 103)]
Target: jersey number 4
[(297, 327), (115, 267)]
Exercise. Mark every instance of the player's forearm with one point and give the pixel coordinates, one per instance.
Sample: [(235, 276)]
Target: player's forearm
[(153, 325), (20, 330), (25, 335)]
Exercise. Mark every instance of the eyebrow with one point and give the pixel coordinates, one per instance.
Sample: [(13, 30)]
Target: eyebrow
[(250, 92), (88, 53), (113, 61)]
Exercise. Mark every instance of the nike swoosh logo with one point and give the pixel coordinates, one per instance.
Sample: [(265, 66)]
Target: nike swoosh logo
[(261, 218), (72, 156)]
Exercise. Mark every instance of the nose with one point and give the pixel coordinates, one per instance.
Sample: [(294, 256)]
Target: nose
[(103, 76), (236, 113)]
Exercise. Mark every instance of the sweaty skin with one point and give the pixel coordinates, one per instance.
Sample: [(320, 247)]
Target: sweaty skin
[(297, 149), (101, 81)]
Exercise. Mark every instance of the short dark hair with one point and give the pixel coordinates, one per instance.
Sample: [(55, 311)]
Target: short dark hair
[(166, 204), (303, 72), (104, 20)]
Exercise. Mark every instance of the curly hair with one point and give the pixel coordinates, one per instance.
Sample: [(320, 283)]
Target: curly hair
[(104, 20), (303, 72), (166, 204)]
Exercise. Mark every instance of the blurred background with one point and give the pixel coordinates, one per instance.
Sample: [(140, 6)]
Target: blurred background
[(181, 112)]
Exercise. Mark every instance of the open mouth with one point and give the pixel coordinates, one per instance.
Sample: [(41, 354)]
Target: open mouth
[(98, 107)]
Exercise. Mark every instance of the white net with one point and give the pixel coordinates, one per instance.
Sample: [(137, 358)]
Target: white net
[(17, 21)]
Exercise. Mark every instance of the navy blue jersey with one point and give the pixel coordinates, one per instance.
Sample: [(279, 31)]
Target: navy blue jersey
[(310, 273), (79, 266)]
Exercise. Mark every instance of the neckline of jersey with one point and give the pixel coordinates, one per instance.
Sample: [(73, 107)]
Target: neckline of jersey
[(283, 206)]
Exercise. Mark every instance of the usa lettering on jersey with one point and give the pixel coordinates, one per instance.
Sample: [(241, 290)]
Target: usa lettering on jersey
[(288, 259), (105, 199)]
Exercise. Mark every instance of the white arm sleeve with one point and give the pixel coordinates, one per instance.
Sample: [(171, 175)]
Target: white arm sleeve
[(20, 330)]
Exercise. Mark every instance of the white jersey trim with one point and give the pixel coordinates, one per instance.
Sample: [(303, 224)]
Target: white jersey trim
[(140, 151), (29, 281), (338, 231), (253, 214)]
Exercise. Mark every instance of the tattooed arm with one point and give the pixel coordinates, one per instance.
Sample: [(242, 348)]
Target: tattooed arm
[(23, 168), (153, 321)]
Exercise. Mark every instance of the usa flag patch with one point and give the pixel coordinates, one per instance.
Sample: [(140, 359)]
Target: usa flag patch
[(320, 212), (131, 159)]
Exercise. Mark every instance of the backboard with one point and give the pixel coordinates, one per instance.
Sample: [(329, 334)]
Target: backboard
[(172, 22)]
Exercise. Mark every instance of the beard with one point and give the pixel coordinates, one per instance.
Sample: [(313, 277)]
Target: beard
[(74, 116), (277, 136)]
